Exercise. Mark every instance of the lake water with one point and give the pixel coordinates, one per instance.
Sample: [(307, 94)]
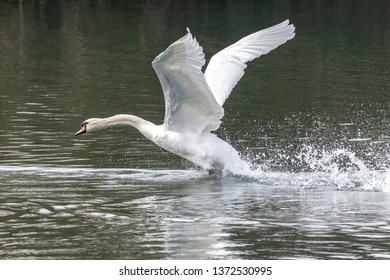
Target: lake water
[(311, 118)]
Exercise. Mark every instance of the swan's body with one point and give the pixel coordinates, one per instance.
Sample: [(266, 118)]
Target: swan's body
[(194, 100)]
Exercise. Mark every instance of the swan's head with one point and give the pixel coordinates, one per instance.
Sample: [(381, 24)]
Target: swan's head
[(89, 126)]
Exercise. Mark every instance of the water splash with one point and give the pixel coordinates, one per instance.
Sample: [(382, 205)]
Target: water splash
[(386, 186), (312, 167), (344, 169), (309, 167)]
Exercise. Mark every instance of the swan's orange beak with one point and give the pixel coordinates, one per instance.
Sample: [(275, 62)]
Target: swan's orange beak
[(81, 131)]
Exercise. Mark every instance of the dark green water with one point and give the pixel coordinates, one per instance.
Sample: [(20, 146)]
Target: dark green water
[(312, 117)]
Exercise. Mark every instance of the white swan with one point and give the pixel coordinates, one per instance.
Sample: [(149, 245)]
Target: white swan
[(193, 99)]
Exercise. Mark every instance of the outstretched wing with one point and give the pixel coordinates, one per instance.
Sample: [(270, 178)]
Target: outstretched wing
[(226, 68), (189, 103)]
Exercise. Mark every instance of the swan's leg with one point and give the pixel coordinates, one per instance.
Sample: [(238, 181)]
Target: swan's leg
[(215, 174)]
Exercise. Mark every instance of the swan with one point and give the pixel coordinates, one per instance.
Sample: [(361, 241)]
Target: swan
[(194, 100)]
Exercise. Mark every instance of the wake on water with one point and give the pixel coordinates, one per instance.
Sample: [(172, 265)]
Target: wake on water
[(311, 168)]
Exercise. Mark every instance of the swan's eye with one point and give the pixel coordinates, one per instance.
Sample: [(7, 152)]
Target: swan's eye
[(84, 124)]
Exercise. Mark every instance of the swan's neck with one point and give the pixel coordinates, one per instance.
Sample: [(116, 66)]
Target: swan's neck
[(125, 120)]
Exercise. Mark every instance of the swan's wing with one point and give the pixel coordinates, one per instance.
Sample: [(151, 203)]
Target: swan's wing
[(226, 68), (189, 103)]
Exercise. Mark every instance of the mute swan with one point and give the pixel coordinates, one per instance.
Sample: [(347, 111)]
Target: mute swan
[(193, 99)]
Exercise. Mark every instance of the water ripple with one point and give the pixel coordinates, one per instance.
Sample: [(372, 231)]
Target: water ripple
[(50, 212)]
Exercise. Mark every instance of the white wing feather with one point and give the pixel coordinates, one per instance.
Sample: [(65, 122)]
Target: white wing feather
[(189, 103), (226, 68)]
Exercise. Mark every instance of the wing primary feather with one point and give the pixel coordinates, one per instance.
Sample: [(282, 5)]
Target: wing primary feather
[(226, 67)]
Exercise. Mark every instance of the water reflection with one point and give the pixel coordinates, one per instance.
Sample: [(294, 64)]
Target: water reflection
[(93, 213)]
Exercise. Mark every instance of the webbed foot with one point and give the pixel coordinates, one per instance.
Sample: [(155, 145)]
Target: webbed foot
[(215, 174)]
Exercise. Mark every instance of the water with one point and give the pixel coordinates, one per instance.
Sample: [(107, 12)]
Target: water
[(311, 118)]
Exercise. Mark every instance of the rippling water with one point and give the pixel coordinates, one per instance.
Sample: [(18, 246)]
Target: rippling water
[(135, 213), (311, 118)]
